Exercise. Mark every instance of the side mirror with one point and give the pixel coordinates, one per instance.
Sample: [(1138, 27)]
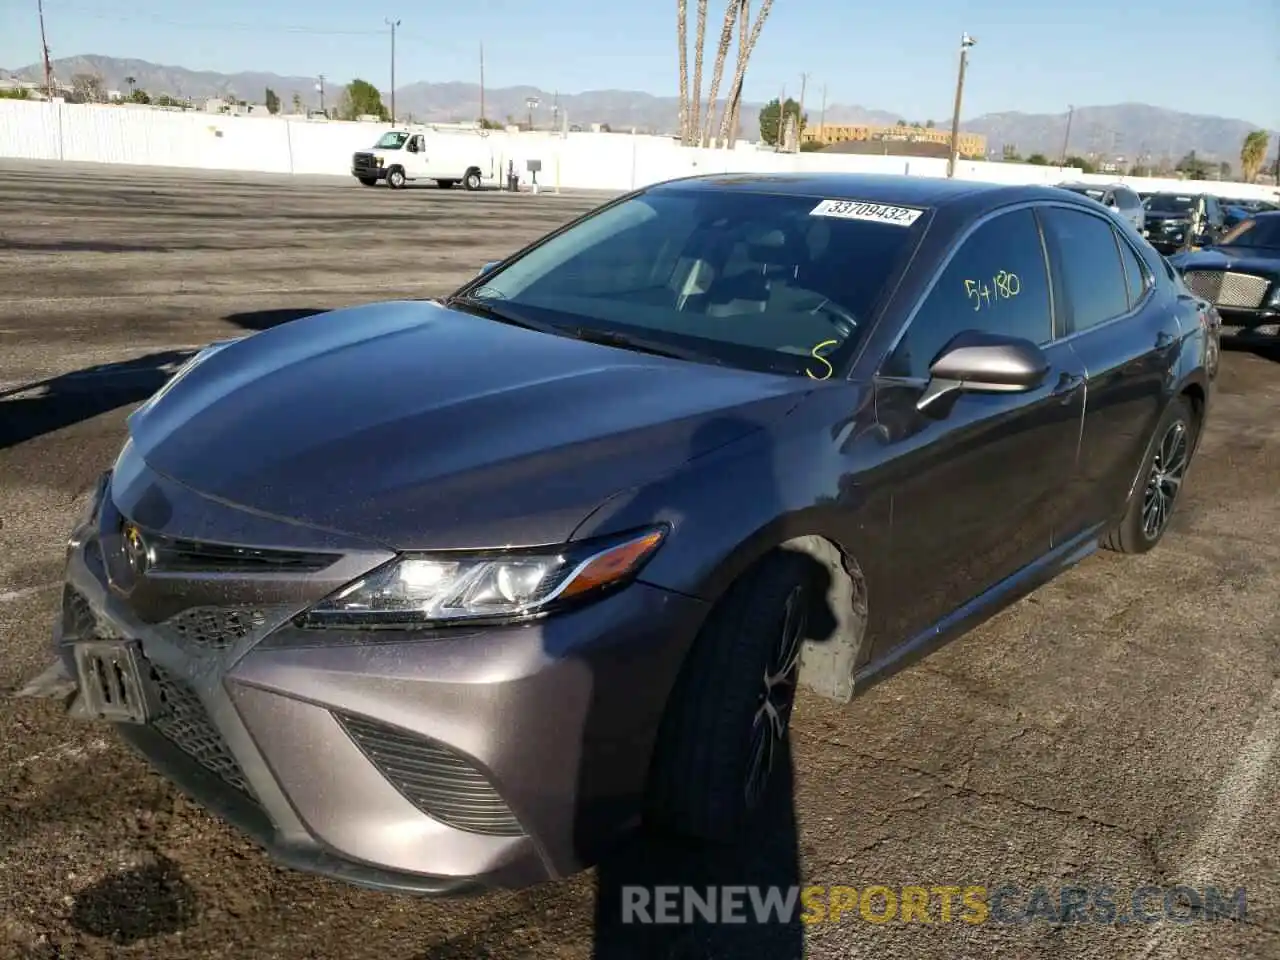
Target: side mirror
[(487, 267), (985, 363)]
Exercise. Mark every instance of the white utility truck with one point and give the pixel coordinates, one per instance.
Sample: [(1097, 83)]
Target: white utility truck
[(401, 156)]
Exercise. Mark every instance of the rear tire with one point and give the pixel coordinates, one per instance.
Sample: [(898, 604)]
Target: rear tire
[(1159, 483), (726, 722), (472, 180)]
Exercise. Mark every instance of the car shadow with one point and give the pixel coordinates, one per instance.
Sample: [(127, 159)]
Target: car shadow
[(30, 410), (265, 319)]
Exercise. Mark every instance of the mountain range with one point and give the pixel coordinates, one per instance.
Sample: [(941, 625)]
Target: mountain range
[(1129, 129)]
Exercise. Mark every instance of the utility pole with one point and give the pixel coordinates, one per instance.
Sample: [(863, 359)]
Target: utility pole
[(822, 117), (1066, 140), (804, 80), (320, 88), (44, 47), (482, 113), (782, 119), (966, 42), (393, 24)]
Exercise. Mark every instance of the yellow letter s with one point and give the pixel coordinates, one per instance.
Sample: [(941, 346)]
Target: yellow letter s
[(814, 353)]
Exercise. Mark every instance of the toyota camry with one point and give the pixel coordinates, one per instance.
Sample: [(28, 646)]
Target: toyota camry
[(450, 594)]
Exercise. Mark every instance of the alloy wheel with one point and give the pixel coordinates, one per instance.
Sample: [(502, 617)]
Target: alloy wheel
[(776, 697), (1167, 470)]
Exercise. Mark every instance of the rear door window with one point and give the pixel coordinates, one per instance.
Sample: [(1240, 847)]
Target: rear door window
[(1088, 259)]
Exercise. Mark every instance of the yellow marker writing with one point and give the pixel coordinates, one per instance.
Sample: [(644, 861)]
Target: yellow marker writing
[(817, 356)]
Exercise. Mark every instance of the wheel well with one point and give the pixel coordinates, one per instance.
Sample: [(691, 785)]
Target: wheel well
[(1194, 393), (828, 662), (471, 170)]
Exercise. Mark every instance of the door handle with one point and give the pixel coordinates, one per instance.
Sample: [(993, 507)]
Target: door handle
[(1068, 384)]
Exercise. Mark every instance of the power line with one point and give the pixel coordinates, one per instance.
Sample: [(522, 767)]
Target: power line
[(232, 26)]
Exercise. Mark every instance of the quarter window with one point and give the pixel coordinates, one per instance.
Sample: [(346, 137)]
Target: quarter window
[(996, 283), (1092, 276), (1135, 274)]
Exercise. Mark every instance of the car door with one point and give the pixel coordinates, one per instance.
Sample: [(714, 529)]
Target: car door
[(417, 156), (976, 488), (1127, 340), (1215, 220)]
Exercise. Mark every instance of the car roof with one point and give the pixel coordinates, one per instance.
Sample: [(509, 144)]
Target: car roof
[(1080, 185), (901, 189)]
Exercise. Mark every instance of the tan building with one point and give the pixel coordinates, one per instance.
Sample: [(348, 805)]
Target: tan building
[(971, 144)]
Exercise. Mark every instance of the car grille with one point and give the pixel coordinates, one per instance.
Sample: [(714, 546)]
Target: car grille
[(439, 782), (364, 161), (185, 723), (213, 628), (1227, 289)]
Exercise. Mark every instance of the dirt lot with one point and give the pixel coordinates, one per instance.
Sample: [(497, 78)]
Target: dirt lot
[(1117, 728)]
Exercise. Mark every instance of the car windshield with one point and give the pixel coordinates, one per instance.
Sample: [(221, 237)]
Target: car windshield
[(391, 141), (1255, 232), (1091, 192), (1170, 203), (760, 281)]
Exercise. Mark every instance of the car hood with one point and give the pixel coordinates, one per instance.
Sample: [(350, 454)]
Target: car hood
[(1246, 259), (422, 427)]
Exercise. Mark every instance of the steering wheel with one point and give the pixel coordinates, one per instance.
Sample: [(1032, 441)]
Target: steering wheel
[(846, 323)]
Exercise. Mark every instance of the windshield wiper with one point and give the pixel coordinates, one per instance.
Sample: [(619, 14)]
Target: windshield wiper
[(639, 345), (485, 308)]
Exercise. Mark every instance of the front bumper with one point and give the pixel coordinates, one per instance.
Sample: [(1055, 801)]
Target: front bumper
[(369, 173), (1249, 323), (477, 758)]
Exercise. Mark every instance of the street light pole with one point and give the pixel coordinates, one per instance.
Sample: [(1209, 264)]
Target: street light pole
[(966, 42), (393, 24), (320, 87), (1066, 140), (804, 81)]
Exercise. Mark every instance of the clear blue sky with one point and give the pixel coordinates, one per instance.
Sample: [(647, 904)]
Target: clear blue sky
[(1032, 55)]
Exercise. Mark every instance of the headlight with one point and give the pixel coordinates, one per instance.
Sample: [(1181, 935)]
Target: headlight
[(428, 590)]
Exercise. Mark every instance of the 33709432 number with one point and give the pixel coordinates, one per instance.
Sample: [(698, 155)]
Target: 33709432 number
[(1003, 286)]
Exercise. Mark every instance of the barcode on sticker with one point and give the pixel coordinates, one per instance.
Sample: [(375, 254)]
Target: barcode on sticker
[(860, 210)]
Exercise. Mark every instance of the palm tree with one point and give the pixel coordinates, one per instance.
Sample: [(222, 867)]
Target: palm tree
[(735, 103), (682, 37), (744, 57), (700, 40), (130, 81), (1253, 154), (717, 74)]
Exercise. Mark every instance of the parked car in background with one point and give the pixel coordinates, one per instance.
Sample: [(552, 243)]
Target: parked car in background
[(437, 595), (1240, 275), (1235, 211), (1176, 221), (1116, 197)]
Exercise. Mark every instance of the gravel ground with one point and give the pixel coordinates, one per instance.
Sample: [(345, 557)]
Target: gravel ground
[(1119, 727)]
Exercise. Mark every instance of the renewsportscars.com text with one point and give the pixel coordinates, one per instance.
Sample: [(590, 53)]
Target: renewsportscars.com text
[(972, 904)]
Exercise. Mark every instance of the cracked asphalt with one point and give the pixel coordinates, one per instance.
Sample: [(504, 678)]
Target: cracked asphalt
[(1117, 728)]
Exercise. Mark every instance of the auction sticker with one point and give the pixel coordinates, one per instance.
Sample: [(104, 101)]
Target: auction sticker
[(860, 210)]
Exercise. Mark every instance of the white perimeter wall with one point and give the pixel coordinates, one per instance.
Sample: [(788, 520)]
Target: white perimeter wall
[(614, 161)]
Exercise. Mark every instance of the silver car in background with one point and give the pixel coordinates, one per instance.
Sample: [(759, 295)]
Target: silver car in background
[(1116, 197)]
